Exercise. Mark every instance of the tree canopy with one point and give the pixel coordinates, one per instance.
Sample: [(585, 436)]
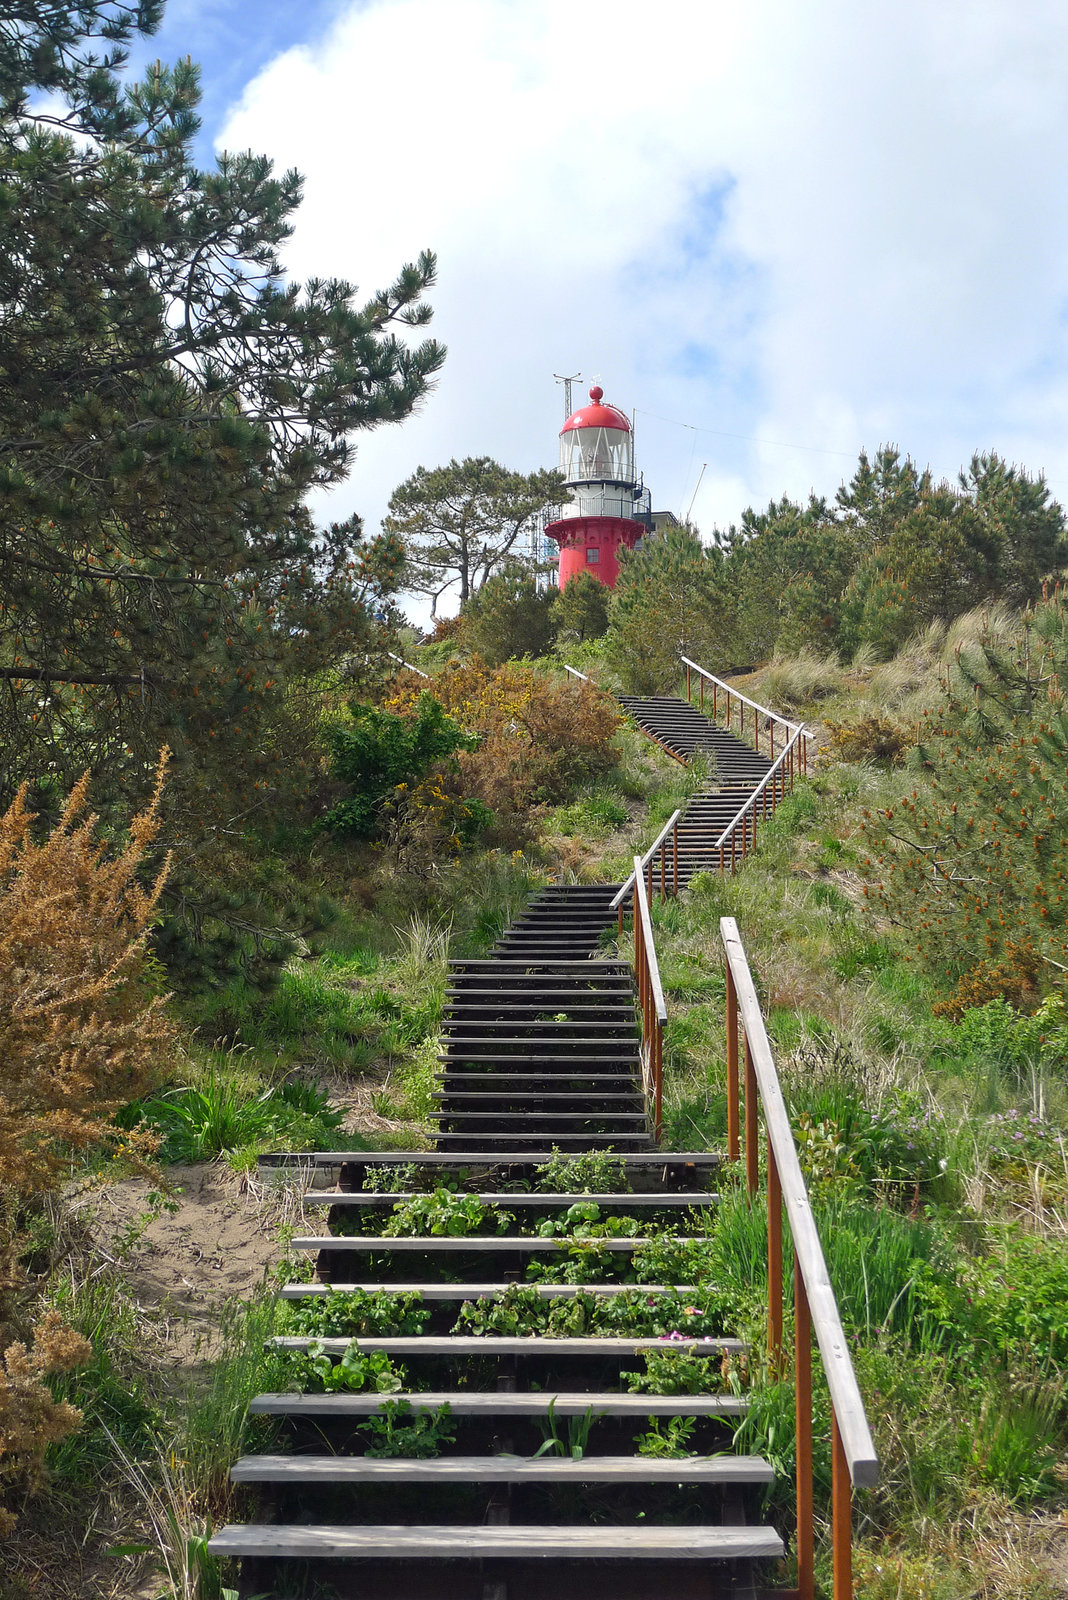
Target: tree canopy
[(167, 400), (457, 524)]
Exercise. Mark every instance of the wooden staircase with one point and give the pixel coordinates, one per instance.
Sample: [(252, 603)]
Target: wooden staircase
[(536, 1483), (541, 1058), (493, 1514)]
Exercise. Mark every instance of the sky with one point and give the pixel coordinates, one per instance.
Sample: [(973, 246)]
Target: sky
[(776, 232)]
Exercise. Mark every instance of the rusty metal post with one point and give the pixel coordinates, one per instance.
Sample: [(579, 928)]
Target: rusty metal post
[(687, 685), (663, 871), (658, 1081), (773, 743), (774, 1264), (752, 1154), (841, 1518), (702, 691), (732, 1067), (806, 1541), (675, 859), (649, 883), (734, 836), (715, 701)]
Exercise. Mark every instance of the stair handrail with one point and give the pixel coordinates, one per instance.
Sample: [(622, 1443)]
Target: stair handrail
[(765, 711), (650, 998), (779, 768), (853, 1456), (575, 673), (641, 863), (401, 661)]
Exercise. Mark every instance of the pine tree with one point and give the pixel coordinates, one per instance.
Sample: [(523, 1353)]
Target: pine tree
[(460, 524), (973, 864), (670, 599), (509, 616), (582, 610), (167, 401)]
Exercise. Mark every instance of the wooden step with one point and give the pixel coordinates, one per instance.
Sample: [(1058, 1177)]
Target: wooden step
[(474, 1156), (503, 1469), (502, 1243), (534, 1346), (503, 1403), (481, 1541), (483, 1291), (673, 1199)]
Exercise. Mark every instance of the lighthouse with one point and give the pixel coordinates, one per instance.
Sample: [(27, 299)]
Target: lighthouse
[(607, 507)]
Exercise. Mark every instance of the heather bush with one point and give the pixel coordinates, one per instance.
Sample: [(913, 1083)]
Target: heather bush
[(80, 1034)]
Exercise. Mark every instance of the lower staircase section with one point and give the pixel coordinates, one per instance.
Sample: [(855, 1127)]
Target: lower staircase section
[(518, 1447)]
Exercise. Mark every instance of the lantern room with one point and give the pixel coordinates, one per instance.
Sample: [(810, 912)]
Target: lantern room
[(597, 445), (606, 508)]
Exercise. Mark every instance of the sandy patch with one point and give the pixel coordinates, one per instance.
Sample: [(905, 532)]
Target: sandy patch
[(212, 1243)]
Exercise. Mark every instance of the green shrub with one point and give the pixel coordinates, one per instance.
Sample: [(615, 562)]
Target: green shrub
[(382, 751), (226, 1114)]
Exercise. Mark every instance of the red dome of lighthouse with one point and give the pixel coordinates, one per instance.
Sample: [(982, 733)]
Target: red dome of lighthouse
[(596, 415)]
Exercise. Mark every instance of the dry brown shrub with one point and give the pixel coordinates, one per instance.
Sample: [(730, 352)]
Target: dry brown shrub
[(79, 1034), (30, 1419), (541, 739)]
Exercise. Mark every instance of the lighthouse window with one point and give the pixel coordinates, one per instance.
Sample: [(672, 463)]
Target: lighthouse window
[(593, 555)]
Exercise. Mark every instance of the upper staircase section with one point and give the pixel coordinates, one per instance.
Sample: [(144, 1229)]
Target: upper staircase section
[(685, 732)]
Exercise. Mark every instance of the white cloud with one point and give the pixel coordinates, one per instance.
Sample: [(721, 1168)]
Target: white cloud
[(822, 225)]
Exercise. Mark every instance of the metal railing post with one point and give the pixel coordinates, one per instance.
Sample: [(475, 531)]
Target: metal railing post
[(752, 1154), (841, 1517), (687, 685), (806, 1537), (774, 1264), (732, 1067), (675, 860)]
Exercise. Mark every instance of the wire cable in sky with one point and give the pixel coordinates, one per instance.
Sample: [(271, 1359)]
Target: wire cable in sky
[(745, 438)]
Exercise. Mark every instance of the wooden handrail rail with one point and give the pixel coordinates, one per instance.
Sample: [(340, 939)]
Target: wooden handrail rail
[(780, 762), (643, 861), (765, 711), (826, 1322), (854, 1461), (650, 997), (401, 661)]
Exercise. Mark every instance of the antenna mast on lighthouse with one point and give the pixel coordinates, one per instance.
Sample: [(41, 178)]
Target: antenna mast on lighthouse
[(567, 382)]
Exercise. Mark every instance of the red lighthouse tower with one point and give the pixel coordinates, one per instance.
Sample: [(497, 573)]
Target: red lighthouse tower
[(606, 507)]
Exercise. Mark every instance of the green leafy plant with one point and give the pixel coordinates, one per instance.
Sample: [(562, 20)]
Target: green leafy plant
[(573, 1441), (591, 1172), (391, 1180), (681, 1371), (317, 1371), (583, 1220), (666, 1436), (375, 1313), (446, 1213), (401, 1430)]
